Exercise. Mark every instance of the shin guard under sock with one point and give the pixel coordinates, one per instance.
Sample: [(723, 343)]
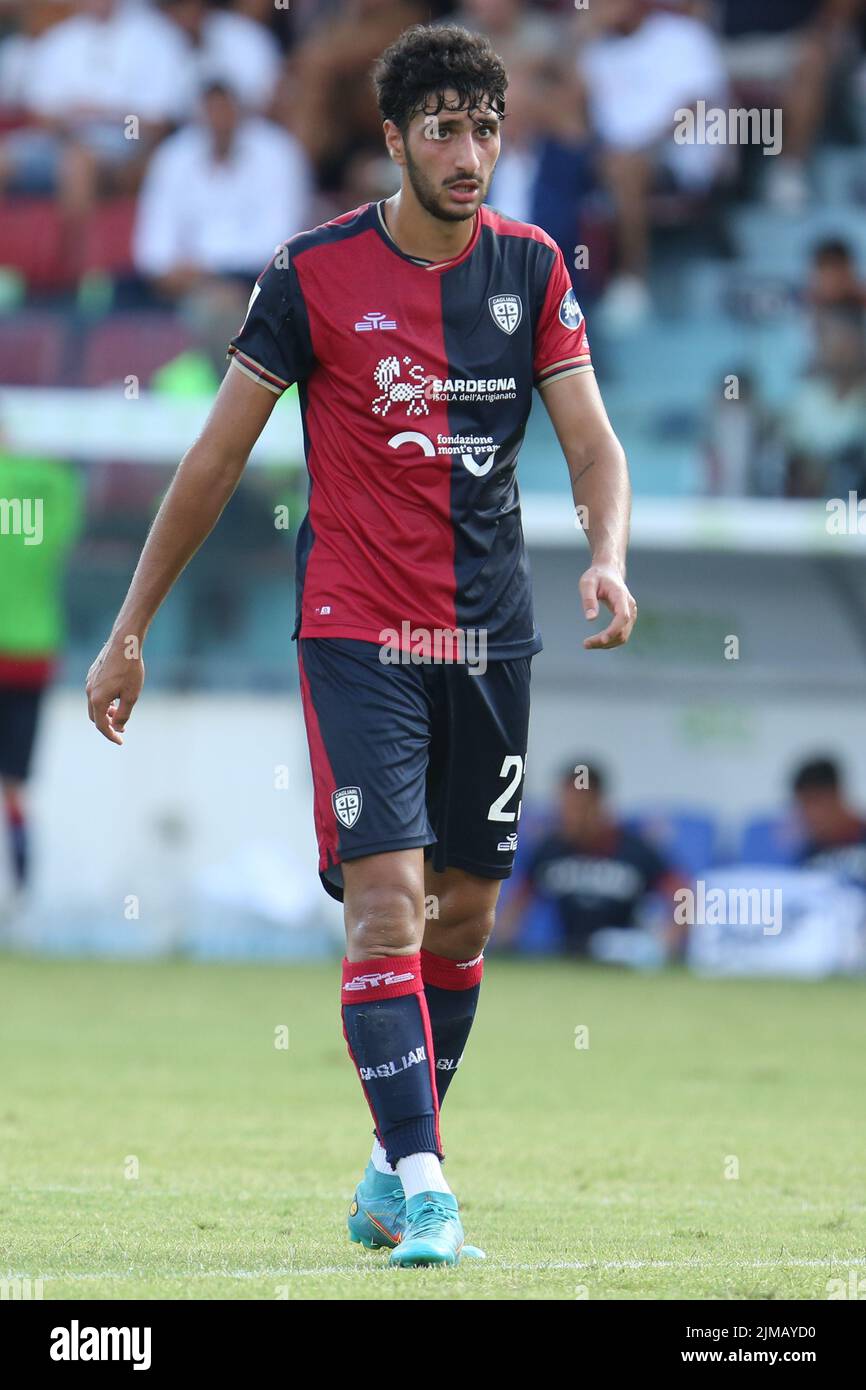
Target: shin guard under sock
[(451, 988), (387, 1029)]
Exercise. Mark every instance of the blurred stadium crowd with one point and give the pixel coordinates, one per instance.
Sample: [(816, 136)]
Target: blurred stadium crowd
[(153, 153), (593, 881)]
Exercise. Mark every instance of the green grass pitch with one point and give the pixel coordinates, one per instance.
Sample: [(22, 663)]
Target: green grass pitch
[(599, 1172)]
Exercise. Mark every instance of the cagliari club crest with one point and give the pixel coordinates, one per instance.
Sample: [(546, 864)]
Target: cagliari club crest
[(346, 802), (507, 311)]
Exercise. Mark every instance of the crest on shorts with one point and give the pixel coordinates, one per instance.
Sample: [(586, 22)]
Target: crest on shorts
[(346, 802), (507, 311)]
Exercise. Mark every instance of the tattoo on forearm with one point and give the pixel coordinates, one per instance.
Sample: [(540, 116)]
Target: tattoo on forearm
[(576, 477)]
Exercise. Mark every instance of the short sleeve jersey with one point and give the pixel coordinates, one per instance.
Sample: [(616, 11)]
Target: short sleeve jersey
[(415, 384)]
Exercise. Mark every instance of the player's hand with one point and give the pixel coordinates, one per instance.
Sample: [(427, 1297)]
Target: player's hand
[(116, 674), (605, 584)]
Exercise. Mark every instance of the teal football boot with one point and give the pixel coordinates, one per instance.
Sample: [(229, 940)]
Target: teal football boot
[(377, 1216), (433, 1234)]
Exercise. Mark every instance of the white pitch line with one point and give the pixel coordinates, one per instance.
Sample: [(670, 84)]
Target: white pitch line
[(689, 1264), (535, 1266), (114, 1187)]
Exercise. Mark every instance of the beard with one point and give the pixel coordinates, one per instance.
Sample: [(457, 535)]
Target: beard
[(428, 194)]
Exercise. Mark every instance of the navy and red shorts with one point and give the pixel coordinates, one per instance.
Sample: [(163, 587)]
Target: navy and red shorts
[(426, 754), (19, 717)]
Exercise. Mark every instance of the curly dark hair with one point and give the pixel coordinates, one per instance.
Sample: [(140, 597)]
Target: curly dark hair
[(430, 58)]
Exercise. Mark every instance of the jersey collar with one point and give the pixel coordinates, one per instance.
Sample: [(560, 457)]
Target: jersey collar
[(381, 227)]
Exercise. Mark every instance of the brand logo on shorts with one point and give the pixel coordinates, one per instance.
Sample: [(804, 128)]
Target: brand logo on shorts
[(507, 311), (509, 843), (346, 802)]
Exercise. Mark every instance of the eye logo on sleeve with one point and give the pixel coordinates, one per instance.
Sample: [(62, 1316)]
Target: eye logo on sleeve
[(570, 312)]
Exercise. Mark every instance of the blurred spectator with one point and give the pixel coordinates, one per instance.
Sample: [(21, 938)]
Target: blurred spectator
[(544, 169), (835, 834), (278, 18), (219, 196), (596, 872), (308, 15), (101, 88), (232, 45), (826, 420), (642, 68), (218, 199), (744, 447), (519, 32), (42, 513), (368, 176), (834, 280), (337, 112), (26, 19), (784, 51)]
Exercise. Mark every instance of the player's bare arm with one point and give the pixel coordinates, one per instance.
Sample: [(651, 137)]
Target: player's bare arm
[(205, 479), (602, 496)]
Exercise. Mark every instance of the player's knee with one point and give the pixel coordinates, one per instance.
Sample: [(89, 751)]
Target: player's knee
[(384, 921), (465, 936)]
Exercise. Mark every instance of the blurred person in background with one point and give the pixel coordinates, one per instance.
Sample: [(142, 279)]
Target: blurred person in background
[(21, 24), (825, 424), (218, 197), (308, 15), (545, 170), (834, 279), (231, 43), (596, 872), (783, 52), (266, 12), (100, 90), (41, 505), (520, 33), (337, 116), (641, 68), (835, 834), (744, 448)]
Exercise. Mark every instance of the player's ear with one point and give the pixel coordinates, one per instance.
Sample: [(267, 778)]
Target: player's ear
[(394, 142)]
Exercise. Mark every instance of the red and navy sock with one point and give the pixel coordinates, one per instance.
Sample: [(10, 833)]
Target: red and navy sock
[(16, 826), (451, 988), (387, 1029)]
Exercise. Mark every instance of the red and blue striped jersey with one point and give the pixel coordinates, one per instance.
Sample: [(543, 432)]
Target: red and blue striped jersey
[(415, 382)]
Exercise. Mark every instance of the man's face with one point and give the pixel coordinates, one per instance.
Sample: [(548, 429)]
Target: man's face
[(579, 812), (189, 14), (622, 16), (832, 276), (97, 9), (449, 157), (492, 16), (221, 114), (841, 347), (819, 810)]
